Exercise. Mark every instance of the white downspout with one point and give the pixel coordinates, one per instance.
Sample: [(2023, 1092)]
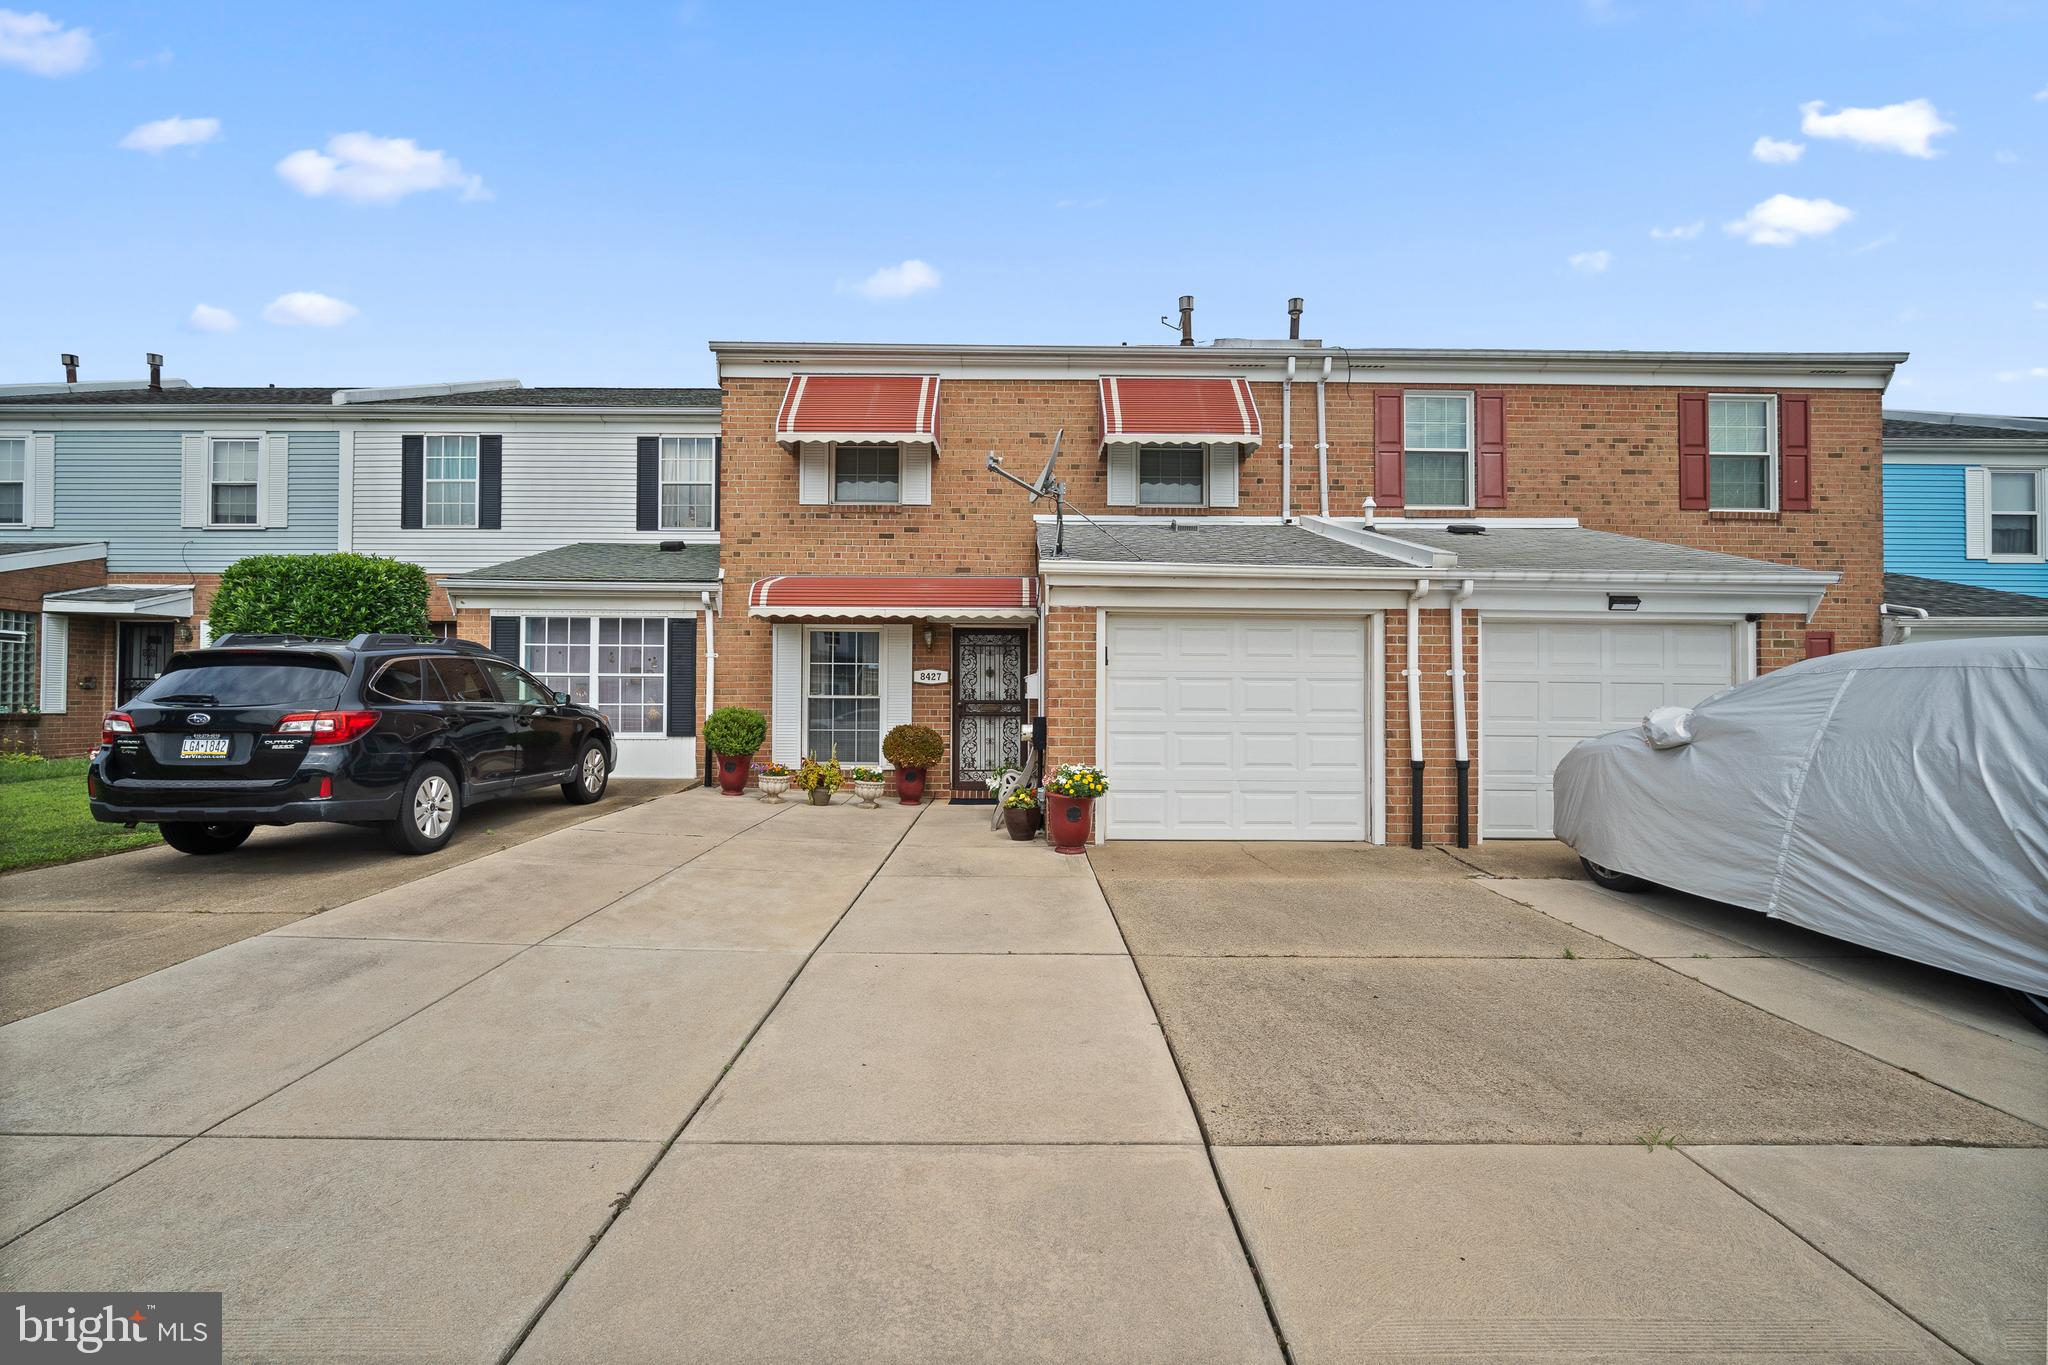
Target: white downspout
[(1464, 760), (1287, 443), (710, 654), (1323, 443), (1412, 672)]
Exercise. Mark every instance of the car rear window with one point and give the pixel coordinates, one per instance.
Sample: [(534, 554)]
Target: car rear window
[(251, 680), (404, 680)]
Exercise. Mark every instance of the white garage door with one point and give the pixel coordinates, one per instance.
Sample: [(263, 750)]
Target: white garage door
[(1239, 728), (1546, 685)]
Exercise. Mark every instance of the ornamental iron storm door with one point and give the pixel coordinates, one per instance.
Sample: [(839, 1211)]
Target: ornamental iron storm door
[(988, 707)]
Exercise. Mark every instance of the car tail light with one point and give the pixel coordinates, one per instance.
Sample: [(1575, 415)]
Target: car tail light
[(92, 784), (116, 723), (327, 727), (326, 788)]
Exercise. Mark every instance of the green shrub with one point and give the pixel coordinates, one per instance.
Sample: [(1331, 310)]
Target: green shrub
[(735, 730), (913, 746), (337, 596)]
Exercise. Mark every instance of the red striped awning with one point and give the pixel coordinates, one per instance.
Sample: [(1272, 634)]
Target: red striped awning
[(952, 598), (1149, 410), (899, 409)]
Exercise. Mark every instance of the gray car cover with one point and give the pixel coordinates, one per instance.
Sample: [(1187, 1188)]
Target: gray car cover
[(1893, 797)]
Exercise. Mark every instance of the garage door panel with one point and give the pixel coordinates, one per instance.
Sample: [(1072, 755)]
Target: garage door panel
[(1250, 728), (1545, 686)]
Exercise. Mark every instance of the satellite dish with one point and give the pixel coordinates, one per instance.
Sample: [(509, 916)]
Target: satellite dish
[(1043, 484)]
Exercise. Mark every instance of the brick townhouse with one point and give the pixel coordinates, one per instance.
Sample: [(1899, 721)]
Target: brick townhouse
[(1306, 592)]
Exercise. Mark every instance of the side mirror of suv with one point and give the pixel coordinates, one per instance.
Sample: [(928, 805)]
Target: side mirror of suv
[(562, 699)]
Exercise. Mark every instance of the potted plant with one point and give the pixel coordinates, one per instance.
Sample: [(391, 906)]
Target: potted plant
[(1020, 814), (868, 784), (774, 781), (911, 751), (734, 735), (820, 779), (1070, 804)]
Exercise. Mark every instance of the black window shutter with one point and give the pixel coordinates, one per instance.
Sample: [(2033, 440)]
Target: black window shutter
[(490, 482), (717, 477), (647, 484), (505, 637), (682, 676), (412, 497)]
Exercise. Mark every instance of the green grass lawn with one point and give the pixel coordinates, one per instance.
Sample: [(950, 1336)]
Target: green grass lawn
[(44, 818)]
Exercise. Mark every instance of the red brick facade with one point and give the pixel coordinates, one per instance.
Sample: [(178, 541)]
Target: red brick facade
[(1605, 454)]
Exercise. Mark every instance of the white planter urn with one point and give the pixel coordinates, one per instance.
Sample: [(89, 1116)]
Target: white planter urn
[(869, 793), (772, 788)]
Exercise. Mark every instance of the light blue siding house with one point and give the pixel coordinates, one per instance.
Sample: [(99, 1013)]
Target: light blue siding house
[(1965, 504)]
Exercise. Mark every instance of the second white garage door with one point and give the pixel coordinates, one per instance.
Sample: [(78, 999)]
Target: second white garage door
[(1546, 685), (1236, 728)]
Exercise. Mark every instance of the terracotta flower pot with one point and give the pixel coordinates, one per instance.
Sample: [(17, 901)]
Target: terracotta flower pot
[(733, 771), (1020, 822), (1067, 822), (910, 785)]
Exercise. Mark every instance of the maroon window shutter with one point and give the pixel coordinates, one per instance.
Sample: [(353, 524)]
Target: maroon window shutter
[(1692, 452), (1819, 643), (1492, 472), (1387, 429), (1795, 453)]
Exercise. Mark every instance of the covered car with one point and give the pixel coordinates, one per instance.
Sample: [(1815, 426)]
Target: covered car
[(1896, 798)]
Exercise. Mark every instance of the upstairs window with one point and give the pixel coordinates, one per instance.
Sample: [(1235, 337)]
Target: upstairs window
[(451, 480), (13, 481), (1742, 447), (2016, 513), (1436, 449), (686, 483), (236, 466), (863, 473), (1170, 476)]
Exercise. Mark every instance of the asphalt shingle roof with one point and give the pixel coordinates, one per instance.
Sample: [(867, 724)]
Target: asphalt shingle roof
[(1192, 540), (1577, 549), (1902, 429), (271, 395), (1959, 599), (117, 593), (596, 562), (174, 397), (29, 547)]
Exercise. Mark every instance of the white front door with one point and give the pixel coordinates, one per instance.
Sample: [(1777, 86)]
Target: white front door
[(1246, 727), (1546, 685)]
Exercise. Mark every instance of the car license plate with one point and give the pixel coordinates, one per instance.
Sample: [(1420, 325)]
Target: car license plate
[(204, 746)]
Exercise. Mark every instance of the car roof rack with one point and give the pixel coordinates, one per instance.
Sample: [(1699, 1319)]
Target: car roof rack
[(240, 638), (385, 640), (468, 647)]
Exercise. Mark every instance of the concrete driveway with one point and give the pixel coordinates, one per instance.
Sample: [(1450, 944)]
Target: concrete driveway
[(718, 1080), (1505, 1118), (67, 932)]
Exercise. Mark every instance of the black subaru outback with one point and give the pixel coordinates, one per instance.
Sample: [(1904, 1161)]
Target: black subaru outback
[(379, 730)]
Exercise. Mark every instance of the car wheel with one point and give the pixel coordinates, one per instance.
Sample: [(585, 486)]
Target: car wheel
[(2034, 1008), (427, 811), (203, 839), (1609, 878), (592, 773)]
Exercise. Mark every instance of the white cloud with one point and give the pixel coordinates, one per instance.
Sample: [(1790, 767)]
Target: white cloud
[(2006, 158), (1783, 219), (2042, 94), (2014, 376), (167, 133), (1772, 152), (41, 46), (1684, 232), (1876, 243), (207, 318), (898, 281), (1590, 262), (376, 170), (2041, 305), (306, 309), (1909, 127)]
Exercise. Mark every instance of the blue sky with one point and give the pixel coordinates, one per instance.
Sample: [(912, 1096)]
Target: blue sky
[(589, 194)]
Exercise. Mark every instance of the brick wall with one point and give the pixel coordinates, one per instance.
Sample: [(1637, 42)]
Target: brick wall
[(91, 658)]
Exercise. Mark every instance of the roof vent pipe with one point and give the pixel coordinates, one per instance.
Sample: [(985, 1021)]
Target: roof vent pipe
[(156, 372), (1187, 319), (1294, 319), (70, 363)]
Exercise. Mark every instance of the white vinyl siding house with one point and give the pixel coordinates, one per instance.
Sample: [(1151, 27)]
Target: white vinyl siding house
[(562, 481)]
